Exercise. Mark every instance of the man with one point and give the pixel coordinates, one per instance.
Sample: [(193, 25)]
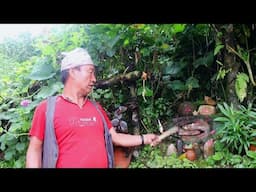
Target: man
[(78, 124)]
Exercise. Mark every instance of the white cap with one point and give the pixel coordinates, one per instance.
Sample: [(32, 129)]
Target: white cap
[(76, 57)]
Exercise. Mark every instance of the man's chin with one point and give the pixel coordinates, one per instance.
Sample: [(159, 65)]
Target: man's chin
[(87, 92)]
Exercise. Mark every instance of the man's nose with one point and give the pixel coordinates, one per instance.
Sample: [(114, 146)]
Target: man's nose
[(93, 79)]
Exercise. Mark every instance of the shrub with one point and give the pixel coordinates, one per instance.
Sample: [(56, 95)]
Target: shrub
[(237, 127)]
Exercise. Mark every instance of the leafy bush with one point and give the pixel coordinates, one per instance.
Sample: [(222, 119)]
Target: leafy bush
[(155, 158), (237, 127)]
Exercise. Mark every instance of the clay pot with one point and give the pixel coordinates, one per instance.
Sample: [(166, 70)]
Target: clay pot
[(252, 147), (191, 154), (186, 108), (122, 157)]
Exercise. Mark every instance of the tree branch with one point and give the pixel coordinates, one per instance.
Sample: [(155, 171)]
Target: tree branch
[(128, 77)]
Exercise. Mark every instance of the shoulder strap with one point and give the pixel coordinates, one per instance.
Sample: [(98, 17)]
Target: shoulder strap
[(50, 147), (108, 139)]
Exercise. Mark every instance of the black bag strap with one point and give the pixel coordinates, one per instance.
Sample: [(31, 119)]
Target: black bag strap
[(50, 146), (108, 138)]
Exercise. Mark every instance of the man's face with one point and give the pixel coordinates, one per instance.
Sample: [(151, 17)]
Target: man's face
[(85, 78)]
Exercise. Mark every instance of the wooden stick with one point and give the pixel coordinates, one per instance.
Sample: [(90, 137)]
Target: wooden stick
[(168, 133), (165, 134)]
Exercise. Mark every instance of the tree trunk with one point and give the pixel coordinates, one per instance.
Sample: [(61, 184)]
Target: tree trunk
[(134, 108), (231, 63)]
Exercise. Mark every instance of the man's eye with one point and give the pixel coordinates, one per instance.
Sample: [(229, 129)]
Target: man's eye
[(91, 72)]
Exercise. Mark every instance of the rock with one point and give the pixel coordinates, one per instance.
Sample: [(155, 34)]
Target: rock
[(171, 150), (208, 148), (206, 110), (186, 108), (209, 101)]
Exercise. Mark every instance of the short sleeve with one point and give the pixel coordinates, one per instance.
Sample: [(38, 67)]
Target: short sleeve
[(38, 122)]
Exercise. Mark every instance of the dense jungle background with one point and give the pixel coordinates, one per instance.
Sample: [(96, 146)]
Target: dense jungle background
[(160, 73)]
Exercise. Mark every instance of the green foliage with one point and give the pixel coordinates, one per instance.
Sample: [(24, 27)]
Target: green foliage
[(150, 113), (105, 97), (4, 164), (176, 28), (222, 72), (155, 158), (225, 159), (145, 91), (171, 68), (20, 48), (241, 85), (52, 88), (192, 83), (217, 49), (177, 85), (206, 60), (237, 128), (14, 134), (42, 70)]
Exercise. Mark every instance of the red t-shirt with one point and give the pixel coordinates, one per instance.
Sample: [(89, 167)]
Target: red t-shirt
[(79, 133)]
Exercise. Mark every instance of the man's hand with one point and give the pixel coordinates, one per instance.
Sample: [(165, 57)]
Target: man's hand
[(164, 135), (151, 139)]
